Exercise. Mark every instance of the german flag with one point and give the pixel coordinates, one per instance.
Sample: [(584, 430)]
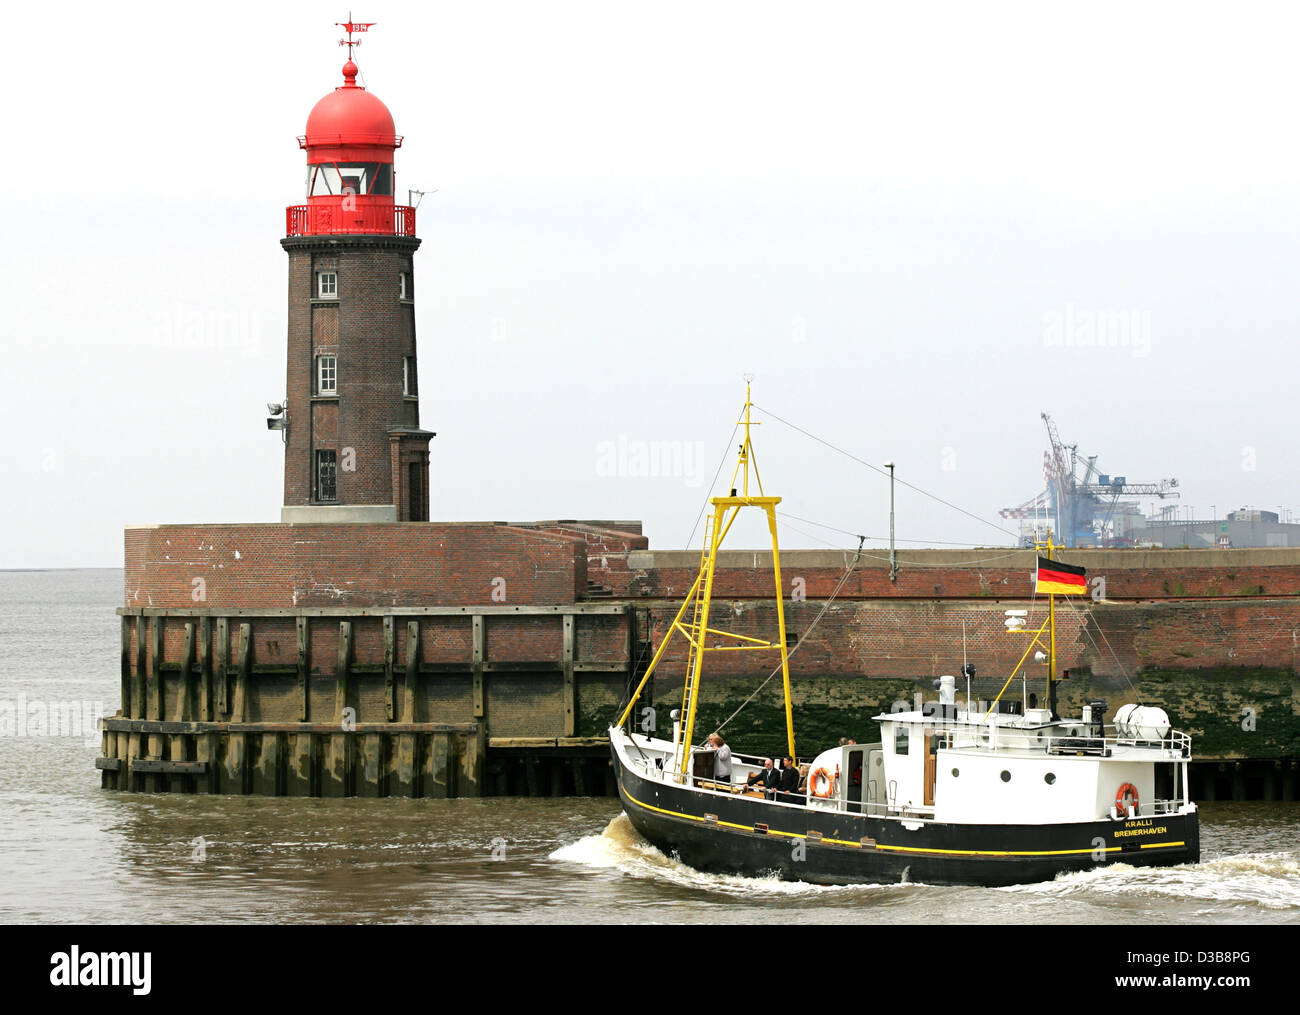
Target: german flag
[(1059, 579)]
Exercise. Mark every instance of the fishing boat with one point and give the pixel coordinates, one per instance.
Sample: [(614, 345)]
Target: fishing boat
[(952, 791)]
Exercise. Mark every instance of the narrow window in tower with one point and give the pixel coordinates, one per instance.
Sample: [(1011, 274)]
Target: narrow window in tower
[(327, 285), (327, 375), (408, 375), (403, 287), (326, 487)]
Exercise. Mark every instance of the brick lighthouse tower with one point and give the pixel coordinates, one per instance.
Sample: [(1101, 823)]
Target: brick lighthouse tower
[(354, 450)]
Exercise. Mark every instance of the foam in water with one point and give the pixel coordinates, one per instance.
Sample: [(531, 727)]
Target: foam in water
[(1271, 880), (620, 847)]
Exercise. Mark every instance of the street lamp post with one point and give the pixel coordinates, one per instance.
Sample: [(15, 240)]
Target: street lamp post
[(893, 559)]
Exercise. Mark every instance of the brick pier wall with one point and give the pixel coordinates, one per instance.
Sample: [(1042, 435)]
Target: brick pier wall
[(1206, 633)]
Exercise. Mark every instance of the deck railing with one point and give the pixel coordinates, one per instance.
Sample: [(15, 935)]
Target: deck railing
[(1175, 744)]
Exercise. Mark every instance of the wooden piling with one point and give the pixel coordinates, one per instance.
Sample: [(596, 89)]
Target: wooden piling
[(126, 666), (205, 668), (304, 668), (177, 750), (221, 675), (141, 662), (234, 767), (153, 782), (185, 692), (336, 765), (127, 745), (266, 774), (370, 775), (478, 655), (239, 708), (569, 693), (299, 765), (342, 671), (390, 658), (221, 733), (473, 767), (406, 767), (436, 771), (238, 771), (205, 750), (412, 671)]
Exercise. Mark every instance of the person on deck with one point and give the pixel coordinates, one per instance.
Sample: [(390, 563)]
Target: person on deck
[(788, 788), (722, 763), (765, 779)]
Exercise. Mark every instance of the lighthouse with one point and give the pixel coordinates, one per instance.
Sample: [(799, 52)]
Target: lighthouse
[(354, 449)]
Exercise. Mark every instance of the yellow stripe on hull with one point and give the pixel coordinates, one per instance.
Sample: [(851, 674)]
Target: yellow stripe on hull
[(904, 849)]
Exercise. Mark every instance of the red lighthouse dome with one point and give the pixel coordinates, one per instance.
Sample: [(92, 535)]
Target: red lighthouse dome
[(350, 141), (350, 115)]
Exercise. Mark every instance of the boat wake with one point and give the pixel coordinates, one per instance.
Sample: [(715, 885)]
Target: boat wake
[(621, 847), (1268, 880)]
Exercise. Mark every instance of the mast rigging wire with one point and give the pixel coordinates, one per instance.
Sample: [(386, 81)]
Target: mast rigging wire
[(902, 482)]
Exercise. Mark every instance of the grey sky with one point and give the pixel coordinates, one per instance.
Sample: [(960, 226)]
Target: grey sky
[(883, 211)]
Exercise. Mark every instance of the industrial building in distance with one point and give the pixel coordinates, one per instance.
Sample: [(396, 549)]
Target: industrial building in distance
[(1083, 508)]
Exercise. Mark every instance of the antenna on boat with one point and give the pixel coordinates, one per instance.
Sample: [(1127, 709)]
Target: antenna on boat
[(965, 666)]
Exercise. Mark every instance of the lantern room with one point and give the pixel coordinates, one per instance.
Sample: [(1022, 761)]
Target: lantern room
[(350, 141)]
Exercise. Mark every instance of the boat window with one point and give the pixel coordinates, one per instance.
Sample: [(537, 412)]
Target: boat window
[(900, 739), (955, 773), (1050, 778), (1006, 776)]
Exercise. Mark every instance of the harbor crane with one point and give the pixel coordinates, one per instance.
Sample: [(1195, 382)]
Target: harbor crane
[(1080, 506)]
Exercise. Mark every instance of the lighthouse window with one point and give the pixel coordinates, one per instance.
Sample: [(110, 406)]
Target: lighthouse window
[(408, 375), (327, 285), (1006, 776), (327, 375), (350, 178), (326, 462), (1050, 778), (403, 289)]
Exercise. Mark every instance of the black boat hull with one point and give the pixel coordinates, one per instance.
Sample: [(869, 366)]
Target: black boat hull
[(725, 833)]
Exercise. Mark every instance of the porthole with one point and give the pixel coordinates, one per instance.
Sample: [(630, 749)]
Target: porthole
[(1006, 776), (955, 773), (1050, 778)]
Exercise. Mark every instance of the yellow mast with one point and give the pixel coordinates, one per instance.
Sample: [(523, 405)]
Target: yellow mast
[(697, 633), (1048, 629)]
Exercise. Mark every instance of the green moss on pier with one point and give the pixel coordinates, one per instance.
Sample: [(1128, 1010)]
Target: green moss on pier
[(1209, 704)]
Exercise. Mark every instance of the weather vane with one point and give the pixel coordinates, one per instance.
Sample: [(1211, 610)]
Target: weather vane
[(351, 26)]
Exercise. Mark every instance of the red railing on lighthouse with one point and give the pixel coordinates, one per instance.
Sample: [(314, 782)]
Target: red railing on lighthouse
[(364, 220)]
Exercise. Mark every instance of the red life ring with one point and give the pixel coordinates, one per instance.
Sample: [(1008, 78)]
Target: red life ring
[(1123, 795), (823, 773)]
